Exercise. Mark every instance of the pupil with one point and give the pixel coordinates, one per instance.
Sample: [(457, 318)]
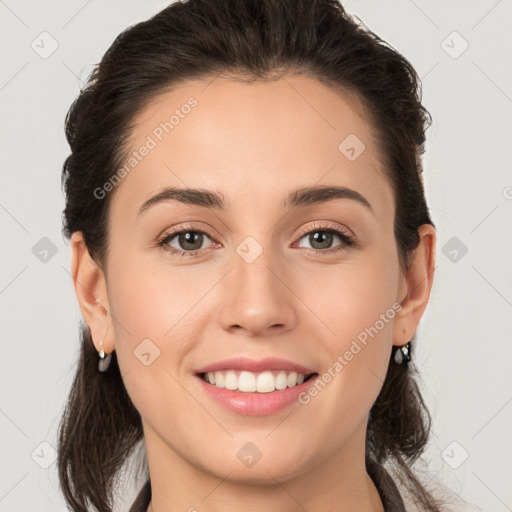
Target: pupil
[(191, 238), (325, 235)]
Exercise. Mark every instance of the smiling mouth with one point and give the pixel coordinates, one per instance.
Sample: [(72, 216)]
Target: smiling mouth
[(250, 382)]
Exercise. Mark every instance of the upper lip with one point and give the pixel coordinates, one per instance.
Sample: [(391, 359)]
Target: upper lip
[(255, 366)]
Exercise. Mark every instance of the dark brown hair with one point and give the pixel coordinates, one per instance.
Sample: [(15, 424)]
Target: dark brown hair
[(247, 40)]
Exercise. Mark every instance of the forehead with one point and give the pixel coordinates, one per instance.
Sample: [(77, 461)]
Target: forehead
[(254, 141)]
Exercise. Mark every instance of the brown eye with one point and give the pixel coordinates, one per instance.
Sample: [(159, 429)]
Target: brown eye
[(185, 242), (189, 240), (321, 238)]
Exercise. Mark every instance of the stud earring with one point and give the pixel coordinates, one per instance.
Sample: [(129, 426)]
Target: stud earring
[(403, 354), (104, 359)]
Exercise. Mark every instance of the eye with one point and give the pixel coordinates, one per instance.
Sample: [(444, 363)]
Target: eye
[(322, 236), (188, 241)]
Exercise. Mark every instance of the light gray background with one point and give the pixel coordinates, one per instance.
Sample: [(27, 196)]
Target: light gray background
[(465, 344)]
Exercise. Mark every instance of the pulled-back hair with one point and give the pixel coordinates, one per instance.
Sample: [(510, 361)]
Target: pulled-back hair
[(248, 40)]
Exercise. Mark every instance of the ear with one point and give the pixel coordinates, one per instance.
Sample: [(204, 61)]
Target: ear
[(416, 285), (91, 291)]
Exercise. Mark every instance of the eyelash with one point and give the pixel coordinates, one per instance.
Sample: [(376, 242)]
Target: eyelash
[(347, 239)]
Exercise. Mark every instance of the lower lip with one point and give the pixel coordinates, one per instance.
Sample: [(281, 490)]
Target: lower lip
[(255, 404)]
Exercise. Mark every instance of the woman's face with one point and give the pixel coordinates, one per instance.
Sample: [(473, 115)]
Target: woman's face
[(266, 275)]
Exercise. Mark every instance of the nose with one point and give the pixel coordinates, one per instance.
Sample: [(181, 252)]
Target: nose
[(257, 297)]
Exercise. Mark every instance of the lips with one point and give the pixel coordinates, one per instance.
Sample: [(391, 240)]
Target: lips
[(263, 402), (255, 366)]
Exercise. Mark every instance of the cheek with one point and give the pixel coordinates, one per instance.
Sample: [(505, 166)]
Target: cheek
[(352, 298), (155, 327), (357, 311), (155, 301), (357, 306)]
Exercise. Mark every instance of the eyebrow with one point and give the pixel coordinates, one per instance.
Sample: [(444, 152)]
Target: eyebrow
[(304, 196)]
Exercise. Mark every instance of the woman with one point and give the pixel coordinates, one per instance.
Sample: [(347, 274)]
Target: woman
[(252, 253)]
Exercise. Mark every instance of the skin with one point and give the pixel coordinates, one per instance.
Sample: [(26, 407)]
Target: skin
[(254, 143)]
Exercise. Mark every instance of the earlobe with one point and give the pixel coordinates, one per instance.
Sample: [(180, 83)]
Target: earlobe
[(91, 291), (418, 281)]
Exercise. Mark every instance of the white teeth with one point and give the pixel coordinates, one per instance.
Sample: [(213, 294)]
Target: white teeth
[(248, 382), (265, 383), (218, 379), (281, 380), (231, 381)]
